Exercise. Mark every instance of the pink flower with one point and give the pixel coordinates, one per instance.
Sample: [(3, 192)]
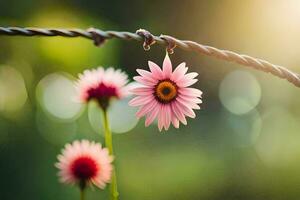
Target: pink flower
[(102, 85), (166, 95), (85, 163)]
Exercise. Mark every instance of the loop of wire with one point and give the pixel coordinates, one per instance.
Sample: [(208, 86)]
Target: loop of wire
[(171, 44), (148, 38)]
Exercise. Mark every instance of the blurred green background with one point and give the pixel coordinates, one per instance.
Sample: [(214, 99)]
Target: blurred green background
[(244, 143)]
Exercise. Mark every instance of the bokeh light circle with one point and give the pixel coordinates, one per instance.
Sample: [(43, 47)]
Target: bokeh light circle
[(240, 92), (121, 115), (12, 89), (56, 94), (279, 143)]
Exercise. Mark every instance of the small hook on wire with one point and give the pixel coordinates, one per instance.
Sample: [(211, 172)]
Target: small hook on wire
[(171, 44), (148, 38)]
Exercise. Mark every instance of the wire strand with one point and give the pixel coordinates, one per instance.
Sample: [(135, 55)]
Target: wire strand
[(99, 36)]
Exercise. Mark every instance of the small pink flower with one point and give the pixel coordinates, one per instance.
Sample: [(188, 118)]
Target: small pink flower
[(102, 85), (165, 94), (85, 163)]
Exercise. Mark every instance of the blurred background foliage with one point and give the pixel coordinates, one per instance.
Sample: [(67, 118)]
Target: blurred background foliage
[(244, 143)]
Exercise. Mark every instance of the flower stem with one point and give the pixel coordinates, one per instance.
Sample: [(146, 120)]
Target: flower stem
[(82, 194), (108, 143)]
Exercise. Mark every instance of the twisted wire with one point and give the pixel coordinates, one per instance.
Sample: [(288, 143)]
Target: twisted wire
[(99, 36)]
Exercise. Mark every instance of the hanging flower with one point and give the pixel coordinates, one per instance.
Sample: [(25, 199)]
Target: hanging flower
[(102, 85), (85, 163), (166, 95)]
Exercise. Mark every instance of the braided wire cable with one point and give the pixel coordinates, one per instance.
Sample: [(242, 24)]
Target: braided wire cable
[(99, 36)]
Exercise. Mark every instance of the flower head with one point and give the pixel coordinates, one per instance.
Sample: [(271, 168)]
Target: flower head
[(84, 163), (102, 85), (165, 94)]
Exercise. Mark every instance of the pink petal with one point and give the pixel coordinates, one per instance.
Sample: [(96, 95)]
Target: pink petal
[(195, 100), (151, 116), (164, 116), (142, 91), (144, 81), (182, 102), (194, 106), (186, 82), (160, 118), (178, 113), (167, 67), (189, 104), (186, 110), (146, 108), (179, 72), (190, 92), (156, 71), (168, 117), (175, 121), (146, 74), (140, 100), (191, 75)]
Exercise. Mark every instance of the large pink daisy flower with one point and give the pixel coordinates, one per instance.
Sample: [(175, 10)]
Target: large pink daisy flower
[(165, 95), (102, 85), (84, 163)]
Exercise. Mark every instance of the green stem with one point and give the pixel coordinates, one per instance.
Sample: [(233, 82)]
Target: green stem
[(82, 194), (108, 143)]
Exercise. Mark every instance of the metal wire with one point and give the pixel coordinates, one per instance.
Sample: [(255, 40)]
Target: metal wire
[(99, 36)]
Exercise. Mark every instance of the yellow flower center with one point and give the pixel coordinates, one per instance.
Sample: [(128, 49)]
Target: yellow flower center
[(166, 91)]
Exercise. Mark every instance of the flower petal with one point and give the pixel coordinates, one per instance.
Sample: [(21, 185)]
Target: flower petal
[(175, 121), (151, 116), (142, 91), (190, 92), (168, 117), (140, 100), (186, 82), (167, 67), (146, 108), (160, 118), (188, 99), (179, 72), (178, 113), (191, 75), (188, 103), (144, 81), (186, 110), (147, 75), (155, 69)]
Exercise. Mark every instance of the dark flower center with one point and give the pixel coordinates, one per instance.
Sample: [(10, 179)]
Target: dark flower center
[(165, 91), (84, 168), (102, 93)]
